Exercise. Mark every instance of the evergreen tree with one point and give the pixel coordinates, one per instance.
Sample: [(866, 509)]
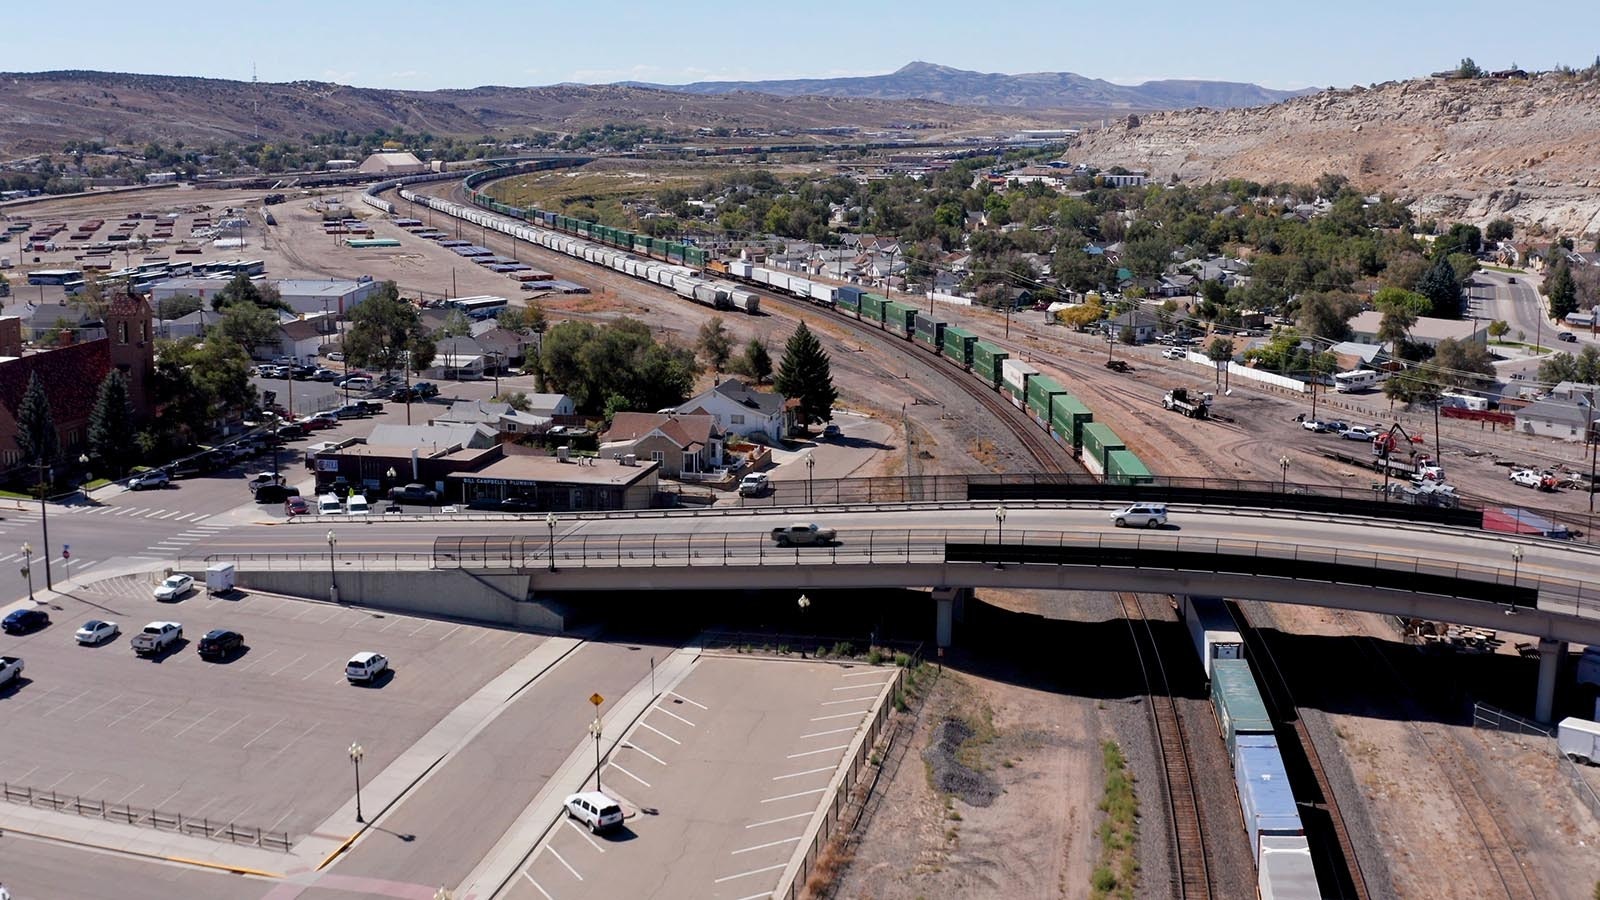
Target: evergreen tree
[(112, 436), (714, 344), (757, 361), (1560, 289), (807, 374), (1442, 289), (36, 427)]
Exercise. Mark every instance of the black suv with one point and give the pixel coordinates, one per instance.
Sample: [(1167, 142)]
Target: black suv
[(220, 643)]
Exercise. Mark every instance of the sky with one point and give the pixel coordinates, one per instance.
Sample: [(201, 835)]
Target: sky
[(410, 45)]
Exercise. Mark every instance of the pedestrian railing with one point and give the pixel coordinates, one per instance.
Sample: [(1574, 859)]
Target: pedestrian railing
[(1486, 716), (214, 829)]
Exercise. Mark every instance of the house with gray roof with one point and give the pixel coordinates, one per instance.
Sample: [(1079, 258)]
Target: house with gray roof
[(1556, 417), (462, 436), (499, 416), (740, 409)]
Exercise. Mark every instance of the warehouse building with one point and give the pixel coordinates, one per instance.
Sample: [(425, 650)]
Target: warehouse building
[(336, 296), (393, 163)]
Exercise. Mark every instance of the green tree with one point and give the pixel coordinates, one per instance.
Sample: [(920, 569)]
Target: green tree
[(806, 373), (1394, 328), (517, 400), (619, 366), (456, 324), (1469, 69), (197, 382), (1498, 329), (244, 290), (112, 434), (1560, 289), (1327, 314), (1388, 298), (251, 327), (1583, 368), (1442, 289), (1462, 363), (1220, 352), (757, 362), (385, 331), (1499, 230), (36, 426), (714, 344), (93, 300), (177, 306)]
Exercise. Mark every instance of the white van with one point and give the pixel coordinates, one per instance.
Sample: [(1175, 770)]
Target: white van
[(357, 505), (329, 505)]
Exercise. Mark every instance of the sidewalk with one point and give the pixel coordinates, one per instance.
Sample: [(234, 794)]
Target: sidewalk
[(520, 840)]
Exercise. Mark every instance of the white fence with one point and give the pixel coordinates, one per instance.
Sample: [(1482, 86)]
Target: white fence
[(1237, 371)]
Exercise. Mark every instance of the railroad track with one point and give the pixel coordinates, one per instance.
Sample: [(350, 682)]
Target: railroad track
[(1340, 859), (1190, 861)]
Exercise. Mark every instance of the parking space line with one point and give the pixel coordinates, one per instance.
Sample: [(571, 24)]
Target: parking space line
[(10, 556), (632, 746), (630, 774), (420, 628), (98, 708), (661, 709), (841, 702), (307, 676), (854, 715), (537, 886), (194, 723), (574, 826), (862, 674), (792, 796), (687, 700), (662, 733), (450, 632), (308, 608), (766, 845), (803, 774), (864, 684), (114, 722), (167, 799), (311, 728), (288, 664), (257, 661), (757, 896), (815, 752), (261, 735), (66, 704), (393, 621), (199, 517), (52, 785), (824, 733), (803, 815), (24, 775), (331, 616), (163, 718), (274, 825), (477, 637), (564, 862), (97, 786), (228, 729), (751, 872), (124, 797)]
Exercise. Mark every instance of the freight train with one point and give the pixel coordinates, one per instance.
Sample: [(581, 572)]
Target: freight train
[(684, 268)]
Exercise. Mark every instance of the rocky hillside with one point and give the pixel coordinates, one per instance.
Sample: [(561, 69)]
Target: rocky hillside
[(1459, 150)]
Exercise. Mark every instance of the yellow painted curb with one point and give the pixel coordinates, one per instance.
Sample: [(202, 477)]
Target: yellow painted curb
[(237, 870), (338, 850)]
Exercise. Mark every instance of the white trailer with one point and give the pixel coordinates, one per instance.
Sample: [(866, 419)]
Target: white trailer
[(219, 578), (1579, 739), (1211, 630)]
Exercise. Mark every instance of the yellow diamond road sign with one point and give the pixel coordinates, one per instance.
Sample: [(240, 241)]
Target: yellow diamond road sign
[(596, 699)]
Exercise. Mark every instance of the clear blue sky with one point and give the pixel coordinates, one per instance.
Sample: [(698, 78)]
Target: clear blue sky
[(387, 43)]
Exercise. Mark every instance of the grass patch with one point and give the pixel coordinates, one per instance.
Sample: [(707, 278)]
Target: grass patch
[(16, 495), (1504, 269), (1116, 873), (96, 483)]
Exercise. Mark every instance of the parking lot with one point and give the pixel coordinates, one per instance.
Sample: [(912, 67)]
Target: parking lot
[(720, 779), (260, 740)]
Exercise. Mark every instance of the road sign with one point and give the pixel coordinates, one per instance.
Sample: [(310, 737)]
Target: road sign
[(596, 699)]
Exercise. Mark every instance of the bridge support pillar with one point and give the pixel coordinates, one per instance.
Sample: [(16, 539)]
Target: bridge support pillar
[(1551, 653), (949, 609)]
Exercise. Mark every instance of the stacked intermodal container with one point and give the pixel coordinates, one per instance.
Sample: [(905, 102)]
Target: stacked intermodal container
[(1285, 870), (1123, 467), (930, 331), (1042, 390), (957, 345), (1014, 375), (900, 318), (987, 362), (1237, 702), (1096, 440), (1265, 797), (872, 306), (1068, 415), (849, 299)]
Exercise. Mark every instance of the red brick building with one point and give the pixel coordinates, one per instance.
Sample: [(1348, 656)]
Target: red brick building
[(71, 375)]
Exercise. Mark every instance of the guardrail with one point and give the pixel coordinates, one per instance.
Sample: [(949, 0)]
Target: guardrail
[(150, 818)]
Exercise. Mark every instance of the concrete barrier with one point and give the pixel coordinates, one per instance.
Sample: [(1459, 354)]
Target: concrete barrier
[(500, 599)]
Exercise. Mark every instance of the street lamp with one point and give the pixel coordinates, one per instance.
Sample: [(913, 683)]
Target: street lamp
[(594, 729), (390, 473), (550, 522), (1000, 520), (804, 603), (1516, 564), (811, 464), (27, 566), (1283, 463), (333, 577), (83, 462), (356, 752)]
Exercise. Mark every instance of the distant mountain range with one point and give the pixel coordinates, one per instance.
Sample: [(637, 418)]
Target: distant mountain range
[(1034, 90)]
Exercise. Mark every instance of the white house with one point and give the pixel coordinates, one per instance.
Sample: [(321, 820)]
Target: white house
[(1428, 331), (1556, 417), (738, 409)]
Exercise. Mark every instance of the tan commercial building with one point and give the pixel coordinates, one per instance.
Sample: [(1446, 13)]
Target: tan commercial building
[(561, 485)]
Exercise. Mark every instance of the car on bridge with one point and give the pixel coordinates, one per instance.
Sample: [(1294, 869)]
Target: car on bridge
[(803, 533), (1140, 515)]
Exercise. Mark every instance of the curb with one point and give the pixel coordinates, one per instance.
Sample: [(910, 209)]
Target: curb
[(198, 863)]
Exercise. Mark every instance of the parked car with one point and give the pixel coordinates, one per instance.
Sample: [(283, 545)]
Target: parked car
[(831, 432), (352, 411), (1567, 336), (595, 810), (290, 432), (357, 505), (220, 643), (23, 621), (296, 506), (1175, 353), (174, 587), (317, 422), (753, 485), (336, 356), (273, 493), (414, 493), (1316, 425), (1141, 515), (365, 666), (10, 670), (373, 407), (329, 505), (324, 375), (262, 479), (519, 505), (1358, 434), (355, 383), (96, 631), (426, 389), (484, 503), (155, 478), (393, 508), (157, 638)]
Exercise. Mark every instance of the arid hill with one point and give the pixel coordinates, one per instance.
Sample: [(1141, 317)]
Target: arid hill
[(41, 111), (1460, 150)]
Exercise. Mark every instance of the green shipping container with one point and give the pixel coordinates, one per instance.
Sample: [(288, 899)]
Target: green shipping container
[(1098, 440), (1041, 388), (958, 345), (930, 331), (1068, 415), (872, 307), (1122, 467), (1237, 700), (695, 256), (900, 318), (986, 361)]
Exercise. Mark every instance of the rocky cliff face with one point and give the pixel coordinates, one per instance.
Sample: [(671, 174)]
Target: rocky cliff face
[(1460, 150)]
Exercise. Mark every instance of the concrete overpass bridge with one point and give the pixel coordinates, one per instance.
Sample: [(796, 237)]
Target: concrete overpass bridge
[(1420, 570)]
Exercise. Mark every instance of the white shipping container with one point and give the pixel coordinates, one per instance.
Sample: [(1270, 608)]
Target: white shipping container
[(1285, 870), (1016, 373), (778, 280), (740, 269), (800, 287), (1579, 739), (1211, 630), (822, 292), (762, 276)]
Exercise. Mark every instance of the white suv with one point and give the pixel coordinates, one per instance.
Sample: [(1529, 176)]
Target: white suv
[(1141, 515), (365, 667), (595, 810)]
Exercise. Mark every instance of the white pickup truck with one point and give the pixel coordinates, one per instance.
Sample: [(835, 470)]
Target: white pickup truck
[(157, 638), (10, 668), (803, 533)]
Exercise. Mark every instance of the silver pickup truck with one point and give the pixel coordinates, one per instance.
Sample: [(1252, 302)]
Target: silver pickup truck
[(801, 533), (157, 638), (10, 668)]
